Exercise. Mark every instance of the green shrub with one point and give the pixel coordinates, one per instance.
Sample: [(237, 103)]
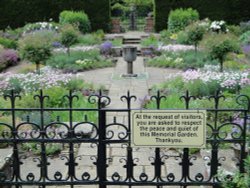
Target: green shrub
[(35, 148), (8, 43), (237, 180), (169, 87), (93, 38), (195, 34), (4, 130), (56, 99), (167, 61), (69, 36), (78, 85), (78, 19), (78, 61), (236, 65), (245, 26), (213, 9), (219, 45), (245, 91), (234, 29), (182, 38), (165, 36), (149, 41), (178, 19), (183, 60), (245, 38), (199, 89), (28, 101), (116, 42), (89, 40), (36, 47)]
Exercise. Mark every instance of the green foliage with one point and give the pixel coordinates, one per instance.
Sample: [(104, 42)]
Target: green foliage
[(234, 29), (78, 61), (56, 99), (245, 38), (245, 26), (199, 88), (27, 101), (236, 181), (36, 47), (82, 102), (79, 20), (180, 18), (8, 43), (149, 41), (16, 13), (69, 36), (4, 129), (219, 45), (138, 2), (182, 60), (171, 86), (182, 38), (35, 148), (172, 102), (195, 34), (92, 39), (116, 42), (166, 61), (196, 87), (245, 91), (212, 9), (165, 36), (236, 65), (78, 85)]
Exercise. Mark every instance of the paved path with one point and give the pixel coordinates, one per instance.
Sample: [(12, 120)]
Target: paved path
[(118, 86)]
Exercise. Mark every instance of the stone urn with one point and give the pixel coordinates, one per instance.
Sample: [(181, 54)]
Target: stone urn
[(129, 55)]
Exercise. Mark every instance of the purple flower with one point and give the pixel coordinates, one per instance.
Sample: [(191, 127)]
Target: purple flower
[(152, 47), (106, 47), (246, 49), (56, 44), (9, 56)]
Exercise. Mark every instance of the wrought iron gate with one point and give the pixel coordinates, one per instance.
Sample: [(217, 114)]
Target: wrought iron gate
[(107, 157)]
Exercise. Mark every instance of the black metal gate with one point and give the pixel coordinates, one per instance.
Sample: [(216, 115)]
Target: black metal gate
[(108, 158)]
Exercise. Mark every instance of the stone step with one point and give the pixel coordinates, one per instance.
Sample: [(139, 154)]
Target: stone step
[(131, 40)]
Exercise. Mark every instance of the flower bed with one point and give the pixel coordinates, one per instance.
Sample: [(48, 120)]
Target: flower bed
[(32, 82)]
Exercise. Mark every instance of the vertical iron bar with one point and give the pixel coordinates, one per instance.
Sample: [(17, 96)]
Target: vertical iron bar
[(185, 159), (44, 162), (102, 154), (71, 145), (16, 162), (157, 165), (243, 145), (158, 161), (215, 144)]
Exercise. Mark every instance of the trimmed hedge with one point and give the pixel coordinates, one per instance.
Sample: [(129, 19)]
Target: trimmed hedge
[(232, 11), (16, 13)]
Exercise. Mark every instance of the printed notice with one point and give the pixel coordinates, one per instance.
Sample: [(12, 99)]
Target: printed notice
[(169, 128)]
